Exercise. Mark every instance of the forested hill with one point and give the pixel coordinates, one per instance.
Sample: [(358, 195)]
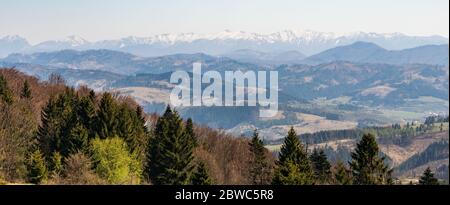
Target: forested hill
[(72, 131), (54, 134)]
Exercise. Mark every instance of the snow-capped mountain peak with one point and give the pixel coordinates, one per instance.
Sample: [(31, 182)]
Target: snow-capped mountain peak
[(75, 40), (305, 41), (12, 38)]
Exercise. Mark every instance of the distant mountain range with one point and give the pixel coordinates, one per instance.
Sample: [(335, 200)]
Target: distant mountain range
[(13, 44), (306, 42), (263, 58), (125, 63), (364, 52)]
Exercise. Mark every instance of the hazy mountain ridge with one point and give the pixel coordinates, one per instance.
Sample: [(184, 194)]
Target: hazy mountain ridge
[(364, 52), (13, 44), (369, 82), (264, 58), (307, 42), (339, 93), (125, 63)]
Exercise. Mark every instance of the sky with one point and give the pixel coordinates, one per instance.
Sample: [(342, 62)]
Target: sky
[(111, 19)]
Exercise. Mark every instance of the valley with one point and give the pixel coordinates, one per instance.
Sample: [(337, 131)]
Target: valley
[(356, 87)]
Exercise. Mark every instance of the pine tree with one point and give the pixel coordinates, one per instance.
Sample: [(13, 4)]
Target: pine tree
[(49, 128), (428, 178), (125, 125), (92, 96), (141, 133), (259, 170), (289, 174), (367, 165), (58, 119), (106, 120), (37, 170), (141, 119), (321, 167), (86, 113), (190, 131), (56, 163), (26, 92), (131, 127), (76, 141), (170, 151), (293, 163), (5, 93), (342, 176), (201, 176)]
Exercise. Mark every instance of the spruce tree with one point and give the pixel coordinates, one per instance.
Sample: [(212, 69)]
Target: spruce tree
[(86, 113), (201, 176), (342, 176), (170, 151), (428, 178), (76, 141), (289, 174), (106, 120), (190, 131), (367, 165), (293, 163), (125, 125), (37, 170), (49, 127), (26, 92), (58, 119), (141, 119), (260, 169), (5, 93), (56, 164), (141, 133), (321, 167), (131, 127)]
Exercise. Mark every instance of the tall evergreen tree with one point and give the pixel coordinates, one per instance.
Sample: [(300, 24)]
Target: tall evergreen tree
[(293, 163), (170, 151), (49, 127), (321, 167), (5, 93), (141, 119), (428, 178), (37, 170), (342, 176), (125, 125), (86, 113), (26, 91), (56, 164), (289, 174), (58, 119), (260, 169), (106, 120), (367, 165), (92, 96), (131, 127), (201, 176), (141, 133), (190, 131), (76, 141)]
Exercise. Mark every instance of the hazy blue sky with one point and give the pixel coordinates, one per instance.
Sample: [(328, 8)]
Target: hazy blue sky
[(109, 19)]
